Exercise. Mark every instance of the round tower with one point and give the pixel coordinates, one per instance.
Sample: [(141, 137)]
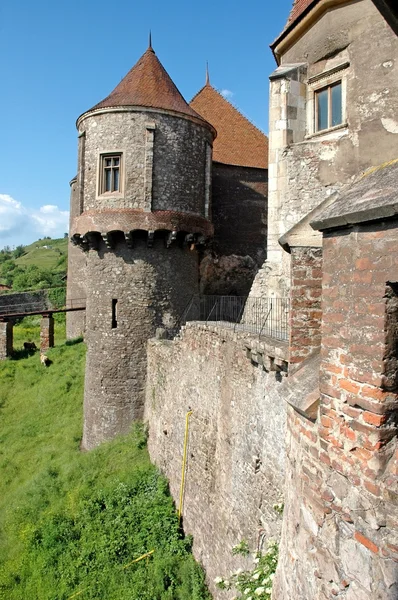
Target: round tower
[(144, 188)]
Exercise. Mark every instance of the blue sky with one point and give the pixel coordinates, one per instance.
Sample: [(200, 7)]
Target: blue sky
[(61, 58)]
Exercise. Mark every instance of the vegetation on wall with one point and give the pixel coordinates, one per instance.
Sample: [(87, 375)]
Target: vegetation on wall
[(71, 523), (255, 583)]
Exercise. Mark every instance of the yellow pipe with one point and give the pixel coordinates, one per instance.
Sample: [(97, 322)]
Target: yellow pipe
[(138, 559), (184, 464)]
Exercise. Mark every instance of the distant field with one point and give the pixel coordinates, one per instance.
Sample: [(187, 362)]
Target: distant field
[(46, 254)]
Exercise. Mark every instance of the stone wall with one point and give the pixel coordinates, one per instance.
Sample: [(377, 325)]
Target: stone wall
[(235, 468), (130, 293), (76, 282), (239, 211), (178, 160), (20, 301), (305, 303), (341, 512)]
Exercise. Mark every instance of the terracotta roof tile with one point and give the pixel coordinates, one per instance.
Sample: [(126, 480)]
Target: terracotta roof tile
[(238, 141), (298, 8), (148, 84)]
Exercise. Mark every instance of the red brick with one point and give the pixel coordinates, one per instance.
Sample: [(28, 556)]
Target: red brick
[(366, 542), (349, 386), (374, 419), (372, 488)]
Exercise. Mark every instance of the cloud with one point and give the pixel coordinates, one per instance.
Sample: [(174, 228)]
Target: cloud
[(18, 223), (226, 93)]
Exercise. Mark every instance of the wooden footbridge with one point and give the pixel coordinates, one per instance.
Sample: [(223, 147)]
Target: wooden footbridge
[(37, 302)]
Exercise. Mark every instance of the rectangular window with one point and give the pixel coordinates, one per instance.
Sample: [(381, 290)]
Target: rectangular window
[(110, 173), (328, 107)]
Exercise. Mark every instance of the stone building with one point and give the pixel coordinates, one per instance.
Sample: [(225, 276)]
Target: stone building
[(141, 211), (332, 114), (239, 196)]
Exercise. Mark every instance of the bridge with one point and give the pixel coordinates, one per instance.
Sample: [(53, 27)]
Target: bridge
[(35, 302)]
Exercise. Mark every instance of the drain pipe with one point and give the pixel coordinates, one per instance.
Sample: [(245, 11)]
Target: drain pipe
[(184, 465)]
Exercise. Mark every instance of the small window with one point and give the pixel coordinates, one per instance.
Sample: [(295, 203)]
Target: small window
[(328, 107), (110, 173)]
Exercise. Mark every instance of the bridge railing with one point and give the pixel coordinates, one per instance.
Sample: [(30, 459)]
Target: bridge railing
[(261, 316)]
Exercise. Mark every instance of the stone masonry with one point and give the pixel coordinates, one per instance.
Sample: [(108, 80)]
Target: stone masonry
[(235, 466), (306, 166), (6, 339), (341, 516)]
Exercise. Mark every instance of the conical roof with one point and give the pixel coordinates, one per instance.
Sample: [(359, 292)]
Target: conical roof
[(148, 85), (238, 141)]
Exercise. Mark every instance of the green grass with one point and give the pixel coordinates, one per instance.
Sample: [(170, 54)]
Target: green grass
[(71, 521), (45, 258)]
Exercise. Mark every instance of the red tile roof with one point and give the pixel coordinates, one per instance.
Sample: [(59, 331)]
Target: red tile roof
[(298, 8), (238, 141), (147, 84)]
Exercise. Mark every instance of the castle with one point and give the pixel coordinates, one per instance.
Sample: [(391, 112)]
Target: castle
[(314, 418)]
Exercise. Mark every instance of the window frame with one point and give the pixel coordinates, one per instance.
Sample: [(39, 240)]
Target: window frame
[(326, 80), (101, 179)]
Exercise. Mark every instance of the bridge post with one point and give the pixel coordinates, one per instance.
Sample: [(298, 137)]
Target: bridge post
[(6, 339), (46, 332)]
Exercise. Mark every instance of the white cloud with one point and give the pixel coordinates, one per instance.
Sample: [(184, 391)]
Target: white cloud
[(20, 225), (226, 93)]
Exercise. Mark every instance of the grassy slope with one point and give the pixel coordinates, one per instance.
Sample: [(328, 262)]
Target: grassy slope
[(45, 258), (70, 521)]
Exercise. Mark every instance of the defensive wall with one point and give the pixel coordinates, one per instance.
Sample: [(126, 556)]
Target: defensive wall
[(235, 466)]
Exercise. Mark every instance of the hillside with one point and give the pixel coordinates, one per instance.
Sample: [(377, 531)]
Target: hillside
[(42, 264), (72, 523), (45, 254)]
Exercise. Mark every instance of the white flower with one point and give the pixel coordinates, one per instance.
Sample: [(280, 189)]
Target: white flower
[(258, 591), (218, 580), (238, 571), (246, 591), (256, 560), (256, 575)]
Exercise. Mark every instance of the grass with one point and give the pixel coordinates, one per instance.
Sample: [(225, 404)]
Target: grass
[(71, 523), (45, 258)]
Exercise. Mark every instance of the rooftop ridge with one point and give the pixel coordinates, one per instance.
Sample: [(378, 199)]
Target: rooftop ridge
[(239, 141), (242, 114)]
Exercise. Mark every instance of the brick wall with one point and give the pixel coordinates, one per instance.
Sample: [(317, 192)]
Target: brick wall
[(235, 467), (305, 303), (341, 518), (239, 210)]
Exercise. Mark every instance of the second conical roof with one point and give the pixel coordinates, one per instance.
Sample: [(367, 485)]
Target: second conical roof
[(149, 85)]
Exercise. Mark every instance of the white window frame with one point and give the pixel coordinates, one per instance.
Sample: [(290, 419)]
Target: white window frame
[(318, 83), (101, 173)]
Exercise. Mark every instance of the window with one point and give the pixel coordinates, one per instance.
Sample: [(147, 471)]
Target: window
[(328, 107), (110, 173), (326, 101)]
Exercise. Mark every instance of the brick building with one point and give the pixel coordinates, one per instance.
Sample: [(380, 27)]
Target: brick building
[(334, 149)]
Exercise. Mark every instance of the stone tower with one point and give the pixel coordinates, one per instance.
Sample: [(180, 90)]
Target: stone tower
[(141, 209)]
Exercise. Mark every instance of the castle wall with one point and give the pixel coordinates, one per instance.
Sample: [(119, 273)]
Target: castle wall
[(239, 210), (130, 292), (341, 505), (239, 216), (235, 467), (305, 167), (76, 280), (164, 159)]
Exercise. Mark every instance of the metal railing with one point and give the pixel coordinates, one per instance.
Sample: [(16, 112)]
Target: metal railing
[(262, 316)]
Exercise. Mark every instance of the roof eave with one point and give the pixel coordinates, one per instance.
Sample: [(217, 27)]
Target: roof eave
[(137, 108), (300, 25)]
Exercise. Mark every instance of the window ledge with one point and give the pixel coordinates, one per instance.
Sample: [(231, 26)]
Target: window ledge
[(317, 134)]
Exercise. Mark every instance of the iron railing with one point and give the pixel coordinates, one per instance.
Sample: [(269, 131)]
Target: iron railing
[(261, 316)]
